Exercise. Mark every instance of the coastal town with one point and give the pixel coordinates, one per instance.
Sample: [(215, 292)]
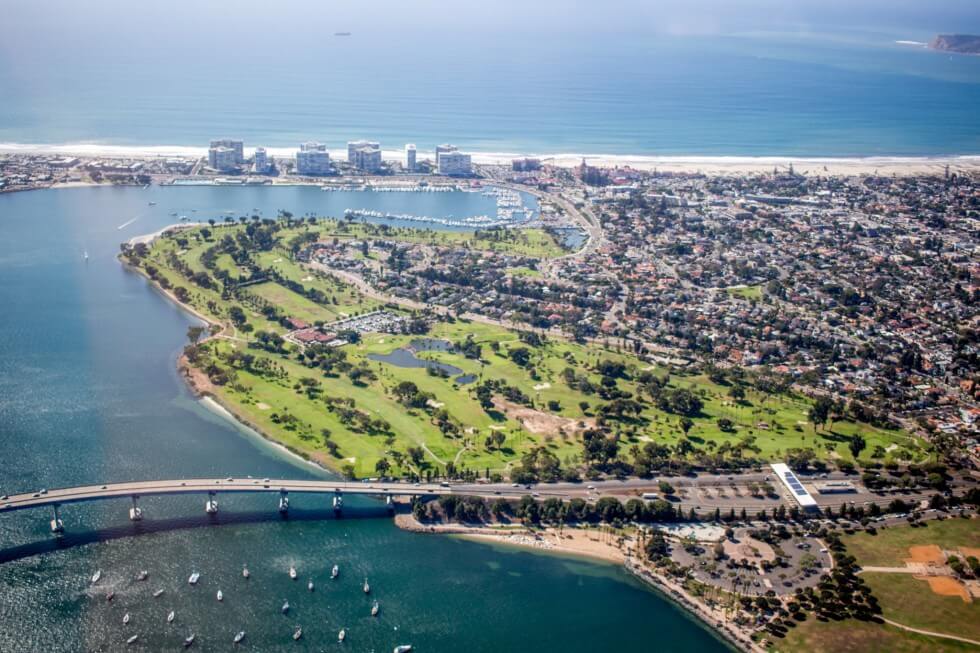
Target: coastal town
[(676, 331)]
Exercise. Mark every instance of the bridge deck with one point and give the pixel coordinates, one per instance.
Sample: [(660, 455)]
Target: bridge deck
[(207, 485)]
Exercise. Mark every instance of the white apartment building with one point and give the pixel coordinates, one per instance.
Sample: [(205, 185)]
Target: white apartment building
[(313, 159)]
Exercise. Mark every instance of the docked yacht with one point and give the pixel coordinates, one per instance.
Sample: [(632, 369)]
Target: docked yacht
[(194, 578)]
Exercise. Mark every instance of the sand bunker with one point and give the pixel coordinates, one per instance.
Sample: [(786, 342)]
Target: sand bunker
[(538, 422), (262, 406)]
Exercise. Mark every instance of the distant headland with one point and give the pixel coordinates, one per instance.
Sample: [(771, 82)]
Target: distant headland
[(958, 43)]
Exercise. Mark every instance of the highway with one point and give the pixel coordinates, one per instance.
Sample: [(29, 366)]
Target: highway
[(703, 492)]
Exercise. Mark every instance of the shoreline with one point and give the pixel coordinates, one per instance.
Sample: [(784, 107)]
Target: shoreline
[(204, 396), (704, 164), (711, 618)]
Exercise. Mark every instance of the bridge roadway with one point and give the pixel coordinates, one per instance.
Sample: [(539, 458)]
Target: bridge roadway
[(209, 486), (702, 492)]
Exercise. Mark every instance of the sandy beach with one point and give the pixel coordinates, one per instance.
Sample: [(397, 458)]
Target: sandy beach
[(710, 165)]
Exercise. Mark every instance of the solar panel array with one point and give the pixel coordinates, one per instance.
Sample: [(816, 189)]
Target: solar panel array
[(795, 484)]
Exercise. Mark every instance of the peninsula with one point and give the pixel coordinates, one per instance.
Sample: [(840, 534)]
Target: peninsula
[(958, 43)]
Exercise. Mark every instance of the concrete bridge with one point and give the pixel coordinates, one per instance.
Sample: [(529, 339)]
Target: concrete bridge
[(211, 487)]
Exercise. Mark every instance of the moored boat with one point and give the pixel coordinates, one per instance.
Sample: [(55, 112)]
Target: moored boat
[(309, 585), (158, 593), (298, 633), (335, 571), (188, 640), (342, 635), (292, 573), (367, 588), (96, 576), (285, 607), (132, 640), (403, 648), (220, 596), (171, 617), (245, 573), (239, 637), (126, 618), (143, 575), (194, 578), (375, 609)]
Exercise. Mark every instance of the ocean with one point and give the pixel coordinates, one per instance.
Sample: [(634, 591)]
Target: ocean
[(816, 93)]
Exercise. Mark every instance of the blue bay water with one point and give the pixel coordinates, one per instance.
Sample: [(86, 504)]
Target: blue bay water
[(88, 393)]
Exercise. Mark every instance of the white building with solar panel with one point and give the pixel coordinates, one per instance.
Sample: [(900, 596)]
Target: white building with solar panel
[(796, 490)]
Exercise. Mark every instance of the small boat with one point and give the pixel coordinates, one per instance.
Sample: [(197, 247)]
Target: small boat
[(285, 607), (188, 640), (85, 255), (239, 637), (298, 634), (375, 609), (171, 617), (367, 588), (220, 596), (153, 203), (158, 593), (132, 640), (245, 573), (194, 578), (403, 648), (292, 573), (341, 635), (143, 575), (126, 618), (309, 585), (335, 571), (96, 576)]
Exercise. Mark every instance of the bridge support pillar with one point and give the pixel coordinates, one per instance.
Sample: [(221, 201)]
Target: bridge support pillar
[(283, 502), (135, 513), (211, 505), (57, 526)]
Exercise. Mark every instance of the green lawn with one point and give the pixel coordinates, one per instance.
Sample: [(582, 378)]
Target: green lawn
[(929, 611), (890, 547), (752, 293), (855, 636)]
